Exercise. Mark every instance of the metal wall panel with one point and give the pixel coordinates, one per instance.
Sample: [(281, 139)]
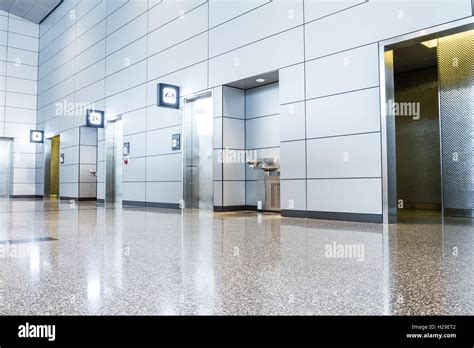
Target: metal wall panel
[(456, 81)]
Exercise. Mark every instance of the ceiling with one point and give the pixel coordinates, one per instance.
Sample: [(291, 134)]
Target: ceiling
[(414, 57), (32, 10), (251, 82)]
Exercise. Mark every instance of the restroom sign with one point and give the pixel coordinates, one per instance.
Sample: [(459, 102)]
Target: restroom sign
[(95, 119), (168, 96), (36, 136)]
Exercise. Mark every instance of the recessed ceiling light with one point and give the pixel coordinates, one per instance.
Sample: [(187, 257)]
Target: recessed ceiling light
[(260, 80), (430, 43)]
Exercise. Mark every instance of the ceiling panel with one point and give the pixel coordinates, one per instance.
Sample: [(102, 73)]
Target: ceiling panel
[(32, 10)]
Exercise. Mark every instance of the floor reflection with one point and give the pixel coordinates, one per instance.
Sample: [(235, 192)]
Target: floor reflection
[(109, 260)]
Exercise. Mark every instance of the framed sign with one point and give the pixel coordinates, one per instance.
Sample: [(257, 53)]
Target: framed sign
[(176, 142), (95, 119), (126, 149), (36, 136), (168, 96)]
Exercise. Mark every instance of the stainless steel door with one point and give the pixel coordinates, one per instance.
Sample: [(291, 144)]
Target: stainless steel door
[(113, 161), (198, 147), (5, 167)]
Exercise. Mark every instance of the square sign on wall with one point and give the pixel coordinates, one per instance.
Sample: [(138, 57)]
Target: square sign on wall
[(168, 96), (95, 119), (36, 136)]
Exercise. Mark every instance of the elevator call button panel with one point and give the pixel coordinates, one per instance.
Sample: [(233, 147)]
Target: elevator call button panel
[(176, 142)]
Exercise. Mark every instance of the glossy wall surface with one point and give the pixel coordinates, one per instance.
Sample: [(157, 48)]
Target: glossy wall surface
[(18, 97), (113, 53)]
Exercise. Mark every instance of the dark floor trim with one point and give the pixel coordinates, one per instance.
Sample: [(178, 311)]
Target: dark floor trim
[(133, 203), (221, 209), (163, 205), (26, 196), (467, 213), (294, 213), (28, 240), (80, 199), (151, 204), (100, 200), (375, 218)]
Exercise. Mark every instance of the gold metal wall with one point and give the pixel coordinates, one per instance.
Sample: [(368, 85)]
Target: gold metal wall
[(54, 173)]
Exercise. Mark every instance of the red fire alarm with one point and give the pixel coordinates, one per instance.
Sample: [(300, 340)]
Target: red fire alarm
[(125, 161)]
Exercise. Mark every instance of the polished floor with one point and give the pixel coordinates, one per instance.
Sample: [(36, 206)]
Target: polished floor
[(65, 258)]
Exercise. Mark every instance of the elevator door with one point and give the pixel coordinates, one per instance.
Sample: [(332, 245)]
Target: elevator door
[(198, 146), (113, 161), (5, 167)]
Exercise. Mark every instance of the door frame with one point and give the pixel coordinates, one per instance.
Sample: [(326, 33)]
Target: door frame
[(47, 146), (387, 93), (111, 171), (10, 166), (187, 100)]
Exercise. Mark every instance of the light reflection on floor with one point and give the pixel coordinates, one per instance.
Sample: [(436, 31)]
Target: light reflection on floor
[(158, 261)]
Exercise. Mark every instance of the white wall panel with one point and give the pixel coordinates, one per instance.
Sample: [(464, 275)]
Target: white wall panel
[(127, 34), (262, 101), (314, 9), (277, 16), (343, 72), (293, 160), (125, 79), (169, 10), (164, 192), (292, 121), (293, 194), (191, 24), (222, 11), (348, 113), (378, 20), (134, 170), (178, 57), (234, 193), (133, 191), (164, 167), (270, 54), (345, 157), (158, 142), (291, 84), (263, 132), (125, 14), (363, 196), (127, 56), (233, 102)]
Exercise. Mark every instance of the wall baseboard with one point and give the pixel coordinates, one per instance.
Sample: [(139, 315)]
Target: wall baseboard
[(223, 209), (151, 204), (294, 213), (79, 199), (354, 217), (26, 196)]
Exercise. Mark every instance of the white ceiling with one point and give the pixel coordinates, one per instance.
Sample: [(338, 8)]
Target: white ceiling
[(32, 10)]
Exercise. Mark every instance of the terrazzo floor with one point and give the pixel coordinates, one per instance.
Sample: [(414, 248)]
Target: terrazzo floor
[(87, 259)]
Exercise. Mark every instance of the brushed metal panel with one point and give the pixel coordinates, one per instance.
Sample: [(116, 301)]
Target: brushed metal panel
[(5, 167), (198, 166), (456, 82)]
